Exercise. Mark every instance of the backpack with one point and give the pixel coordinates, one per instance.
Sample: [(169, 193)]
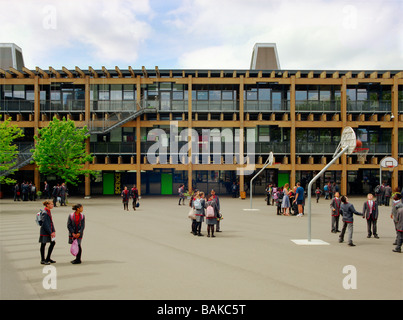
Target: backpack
[(378, 189), (38, 217), (197, 204), (210, 212)]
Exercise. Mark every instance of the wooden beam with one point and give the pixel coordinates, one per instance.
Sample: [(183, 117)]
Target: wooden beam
[(94, 73), (44, 74), (19, 74), (323, 75), (361, 75), (68, 72), (132, 72), (144, 72), (374, 75), (335, 75), (29, 72), (55, 72), (157, 71), (310, 75), (106, 72), (120, 74), (6, 74), (386, 75), (80, 72)]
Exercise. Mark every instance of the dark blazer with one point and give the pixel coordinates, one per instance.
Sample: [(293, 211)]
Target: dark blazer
[(347, 210), (73, 228), (335, 204), (365, 210), (47, 227), (398, 220)]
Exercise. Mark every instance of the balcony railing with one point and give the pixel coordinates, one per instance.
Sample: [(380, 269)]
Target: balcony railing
[(317, 106), (19, 106), (317, 148), (266, 106), (369, 106), (113, 148)]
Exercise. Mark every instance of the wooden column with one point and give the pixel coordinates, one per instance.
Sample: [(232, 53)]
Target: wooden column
[(87, 120), (138, 137), (241, 134), (190, 124), (343, 108), (37, 110), (395, 131), (293, 132)]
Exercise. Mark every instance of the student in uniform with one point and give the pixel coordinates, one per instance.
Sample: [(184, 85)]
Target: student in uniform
[(347, 210), (215, 198), (125, 198), (199, 205), (335, 212), (47, 233), (75, 226), (134, 194), (370, 212)]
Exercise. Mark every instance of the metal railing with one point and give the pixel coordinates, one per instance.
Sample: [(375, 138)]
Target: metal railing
[(24, 158), (369, 106)]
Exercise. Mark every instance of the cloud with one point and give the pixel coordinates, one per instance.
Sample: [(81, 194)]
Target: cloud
[(314, 34), (89, 32)]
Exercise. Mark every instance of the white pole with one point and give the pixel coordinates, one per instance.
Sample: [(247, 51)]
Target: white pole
[(310, 187), (251, 180)]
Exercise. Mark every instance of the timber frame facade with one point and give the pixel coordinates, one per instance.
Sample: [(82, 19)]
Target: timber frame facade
[(298, 107)]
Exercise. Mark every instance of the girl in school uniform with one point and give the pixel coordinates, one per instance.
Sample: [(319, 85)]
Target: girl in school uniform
[(199, 212), (47, 233), (75, 226), (211, 221)]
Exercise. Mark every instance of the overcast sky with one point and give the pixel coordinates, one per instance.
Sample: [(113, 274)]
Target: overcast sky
[(205, 34)]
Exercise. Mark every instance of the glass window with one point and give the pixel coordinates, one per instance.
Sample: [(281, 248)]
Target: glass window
[(362, 94), (202, 95), (55, 95), (325, 94), (227, 95), (313, 93), (19, 91), (251, 94), (177, 95), (8, 91), (351, 94), (116, 92), (301, 94), (215, 95), (264, 94)]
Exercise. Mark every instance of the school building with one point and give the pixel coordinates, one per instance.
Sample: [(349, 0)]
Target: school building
[(296, 114)]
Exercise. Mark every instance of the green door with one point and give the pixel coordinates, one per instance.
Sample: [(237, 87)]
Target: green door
[(108, 181), (283, 178), (166, 183)]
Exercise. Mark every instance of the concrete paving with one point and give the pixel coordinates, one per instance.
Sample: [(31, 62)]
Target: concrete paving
[(151, 254)]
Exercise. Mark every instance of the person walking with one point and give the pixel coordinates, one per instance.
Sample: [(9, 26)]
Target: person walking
[(347, 210), (46, 191), (387, 194), (217, 209), (134, 194), (125, 198), (285, 205), (335, 212), (75, 226), (62, 194), (211, 216), (396, 205), (199, 206), (55, 194), (181, 192), (370, 212), (47, 233), (17, 192), (398, 220), (299, 198)]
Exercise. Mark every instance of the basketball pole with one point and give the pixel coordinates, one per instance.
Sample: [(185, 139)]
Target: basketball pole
[(310, 188), (251, 180)]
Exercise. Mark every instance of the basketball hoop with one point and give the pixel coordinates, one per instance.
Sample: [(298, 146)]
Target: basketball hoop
[(347, 140), (361, 154)]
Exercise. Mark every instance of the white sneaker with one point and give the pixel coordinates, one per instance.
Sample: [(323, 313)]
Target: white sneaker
[(299, 215)]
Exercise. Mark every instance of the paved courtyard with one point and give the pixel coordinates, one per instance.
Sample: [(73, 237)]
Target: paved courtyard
[(151, 254)]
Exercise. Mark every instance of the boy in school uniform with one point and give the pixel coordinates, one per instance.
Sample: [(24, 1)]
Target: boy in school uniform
[(335, 212), (370, 212)]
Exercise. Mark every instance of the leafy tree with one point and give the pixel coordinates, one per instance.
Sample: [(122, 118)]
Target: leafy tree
[(8, 150), (60, 150)]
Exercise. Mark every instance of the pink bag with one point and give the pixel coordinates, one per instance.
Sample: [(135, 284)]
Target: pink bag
[(74, 248)]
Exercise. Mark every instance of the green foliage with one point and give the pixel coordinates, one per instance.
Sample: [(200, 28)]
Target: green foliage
[(60, 150), (8, 150)]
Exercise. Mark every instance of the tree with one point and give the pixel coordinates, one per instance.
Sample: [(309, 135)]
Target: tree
[(60, 150), (8, 150)]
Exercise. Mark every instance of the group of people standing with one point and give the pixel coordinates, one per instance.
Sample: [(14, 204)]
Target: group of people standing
[(383, 194), (202, 207), (26, 191), (126, 195), (340, 206), (47, 233), (289, 201)]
